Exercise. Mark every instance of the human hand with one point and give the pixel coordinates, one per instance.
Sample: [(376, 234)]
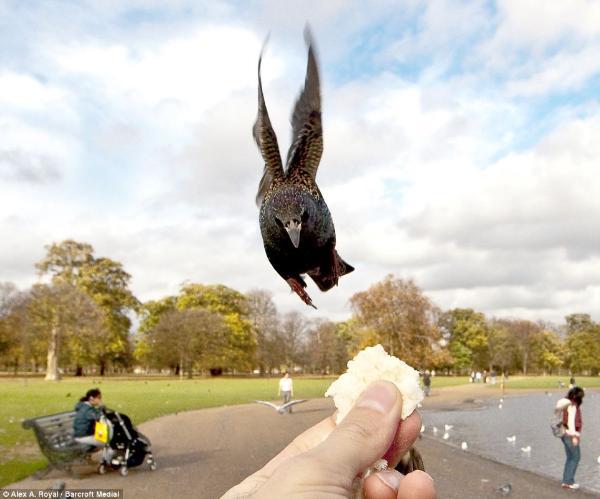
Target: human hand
[(575, 441), (324, 460)]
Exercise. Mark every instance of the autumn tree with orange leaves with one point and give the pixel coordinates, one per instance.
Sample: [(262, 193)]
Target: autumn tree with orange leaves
[(398, 315)]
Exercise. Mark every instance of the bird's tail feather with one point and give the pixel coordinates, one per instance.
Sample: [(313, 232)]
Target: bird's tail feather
[(329, 280)]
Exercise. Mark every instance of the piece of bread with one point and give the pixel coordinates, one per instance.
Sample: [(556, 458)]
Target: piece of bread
[(372, 364)]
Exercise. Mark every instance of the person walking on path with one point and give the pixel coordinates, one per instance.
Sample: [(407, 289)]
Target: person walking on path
[(286, 389), (426, 383), (570, 409)]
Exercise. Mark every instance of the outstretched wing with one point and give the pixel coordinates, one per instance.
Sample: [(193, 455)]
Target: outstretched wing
[(307, 133), (270, 404), (266, 140), (291, 403)]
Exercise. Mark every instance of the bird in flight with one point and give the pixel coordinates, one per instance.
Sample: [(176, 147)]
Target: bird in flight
[(295, 223), (280, 408)]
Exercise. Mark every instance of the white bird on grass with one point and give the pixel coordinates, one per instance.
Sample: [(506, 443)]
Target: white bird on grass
[(512, 439), (464, 446), (446, 436), (448, 427), (280, 408), (526, 449)]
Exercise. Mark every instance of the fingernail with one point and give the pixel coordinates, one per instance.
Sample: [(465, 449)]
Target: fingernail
[(391, 478), (379, 396)]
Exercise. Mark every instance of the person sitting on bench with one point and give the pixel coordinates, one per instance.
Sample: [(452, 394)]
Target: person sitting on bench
[(87, 413)]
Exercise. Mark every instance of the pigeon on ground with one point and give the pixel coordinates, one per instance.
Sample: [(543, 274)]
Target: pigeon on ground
[(280, 408), (505, 489), (295, 223)]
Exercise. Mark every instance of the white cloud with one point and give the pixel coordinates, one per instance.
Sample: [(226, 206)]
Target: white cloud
[(565, 71), (194, 71), (536, 23)]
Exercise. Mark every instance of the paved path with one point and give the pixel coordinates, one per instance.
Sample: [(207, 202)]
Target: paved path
[(203, 453)]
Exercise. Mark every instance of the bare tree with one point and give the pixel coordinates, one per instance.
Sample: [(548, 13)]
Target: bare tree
[(57, 312), (292, 337), (265, 322)]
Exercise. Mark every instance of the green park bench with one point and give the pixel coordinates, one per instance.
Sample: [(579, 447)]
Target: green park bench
[(54, 434)]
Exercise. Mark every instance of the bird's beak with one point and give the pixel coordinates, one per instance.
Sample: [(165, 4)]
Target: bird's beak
[(294, 232)]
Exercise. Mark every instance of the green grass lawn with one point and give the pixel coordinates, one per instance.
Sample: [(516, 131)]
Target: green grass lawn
[(140, 399), (442, 381)]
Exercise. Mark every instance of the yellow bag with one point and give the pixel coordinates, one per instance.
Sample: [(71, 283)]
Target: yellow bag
[(101, 432)]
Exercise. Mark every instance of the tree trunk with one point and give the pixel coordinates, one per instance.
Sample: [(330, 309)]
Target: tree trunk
[(79, 371), (525, 355), (52, 373), (181, 366)]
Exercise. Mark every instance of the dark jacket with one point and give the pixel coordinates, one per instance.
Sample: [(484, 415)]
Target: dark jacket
[(85, 419)]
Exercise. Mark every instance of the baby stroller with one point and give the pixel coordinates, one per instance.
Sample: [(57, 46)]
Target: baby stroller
[(130, 447)]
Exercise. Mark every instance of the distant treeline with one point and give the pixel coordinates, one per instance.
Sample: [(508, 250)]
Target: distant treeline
[(80, 321)]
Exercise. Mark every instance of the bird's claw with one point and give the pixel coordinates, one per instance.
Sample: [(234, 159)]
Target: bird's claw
[(299, 290)]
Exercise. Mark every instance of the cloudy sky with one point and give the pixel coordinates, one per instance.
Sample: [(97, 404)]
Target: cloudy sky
[(461, 143)]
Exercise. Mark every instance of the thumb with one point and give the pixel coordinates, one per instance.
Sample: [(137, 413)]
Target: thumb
[(366, 432)]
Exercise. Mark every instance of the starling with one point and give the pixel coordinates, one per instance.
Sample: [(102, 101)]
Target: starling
[(295, 223), (410, 462)]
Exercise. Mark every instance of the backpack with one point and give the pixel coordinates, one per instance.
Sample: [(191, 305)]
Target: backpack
[(558, 428), (556, 424)]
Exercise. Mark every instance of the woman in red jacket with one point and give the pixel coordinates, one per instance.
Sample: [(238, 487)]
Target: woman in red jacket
[(571, 418)]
